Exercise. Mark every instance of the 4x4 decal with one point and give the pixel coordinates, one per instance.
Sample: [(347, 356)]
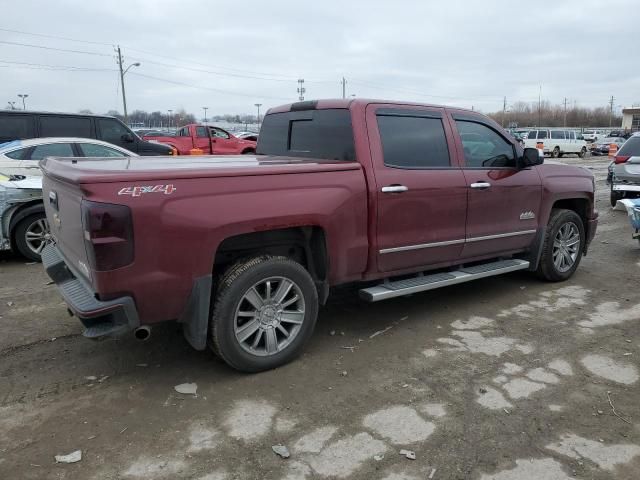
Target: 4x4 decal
[(139, 190)]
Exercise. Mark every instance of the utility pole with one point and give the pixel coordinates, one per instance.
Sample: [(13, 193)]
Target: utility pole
[(344, 88), (170, 119), (564, 123), (611, 109), (124, 97), (540, 107), (301, 89), (258, 105), (24, 95), (504, 110), (205, 113), (122, 73)]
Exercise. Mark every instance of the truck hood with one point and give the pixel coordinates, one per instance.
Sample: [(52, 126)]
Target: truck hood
[(156, 168)]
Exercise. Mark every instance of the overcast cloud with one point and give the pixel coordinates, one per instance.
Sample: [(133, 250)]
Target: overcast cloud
[(464, 53)]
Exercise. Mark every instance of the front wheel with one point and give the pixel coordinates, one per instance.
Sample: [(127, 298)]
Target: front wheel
[(264, 313), (563, 246), (31, 235), (582, 152)]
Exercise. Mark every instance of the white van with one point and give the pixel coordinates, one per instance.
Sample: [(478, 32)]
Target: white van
[(557, 142)]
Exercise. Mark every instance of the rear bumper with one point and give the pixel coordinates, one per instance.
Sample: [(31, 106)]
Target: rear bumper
[(100, 318)]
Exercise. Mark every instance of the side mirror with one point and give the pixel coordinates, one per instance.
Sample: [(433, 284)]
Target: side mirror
[(531, 157), (127, 137)]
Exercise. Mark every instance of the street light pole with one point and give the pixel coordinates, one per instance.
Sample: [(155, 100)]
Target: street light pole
[(122, 73), (170, 119), (23, 96), (258, 105), (205, 113), (12, 105)]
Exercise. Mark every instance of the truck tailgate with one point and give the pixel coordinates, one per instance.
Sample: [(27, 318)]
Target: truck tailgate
[(62, 203)]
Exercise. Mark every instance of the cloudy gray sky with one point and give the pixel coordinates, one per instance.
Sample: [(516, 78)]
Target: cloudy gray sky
[(229, 55)]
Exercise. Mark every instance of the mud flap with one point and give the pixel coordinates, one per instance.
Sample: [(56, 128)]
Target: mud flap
[(536, 249), (195, 318)]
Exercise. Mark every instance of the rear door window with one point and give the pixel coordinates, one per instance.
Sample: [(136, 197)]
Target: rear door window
[(93, 150), (15, 127), (413, 142), (201, 132), (65, 126), (542, 134), (557, 135), (322, 134), (52, 150), (17, 154)]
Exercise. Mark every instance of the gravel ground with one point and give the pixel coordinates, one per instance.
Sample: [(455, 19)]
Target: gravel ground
[(505, 379)]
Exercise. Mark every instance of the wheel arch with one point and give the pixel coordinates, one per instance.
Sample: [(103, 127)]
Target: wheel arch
[(304, 244), (23, 211)]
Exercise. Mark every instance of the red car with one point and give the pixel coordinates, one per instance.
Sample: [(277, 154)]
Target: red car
[(244, 250), (211, 140)]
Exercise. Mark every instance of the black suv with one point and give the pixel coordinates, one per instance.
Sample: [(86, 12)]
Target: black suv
[(18, 125)]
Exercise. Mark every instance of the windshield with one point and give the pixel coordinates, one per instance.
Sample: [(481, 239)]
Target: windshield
[(322, 134)]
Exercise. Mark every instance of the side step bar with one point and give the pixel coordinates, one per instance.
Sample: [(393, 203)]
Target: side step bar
[(430, 282)]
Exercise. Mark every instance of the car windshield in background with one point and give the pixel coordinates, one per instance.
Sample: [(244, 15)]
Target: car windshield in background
[(321, 134), (631, 147)]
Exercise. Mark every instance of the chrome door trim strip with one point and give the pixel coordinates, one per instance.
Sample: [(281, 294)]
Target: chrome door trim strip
[(455, 242), (501, 235)]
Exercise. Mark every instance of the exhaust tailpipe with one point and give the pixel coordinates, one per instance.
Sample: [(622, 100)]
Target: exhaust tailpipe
[(142, 333)]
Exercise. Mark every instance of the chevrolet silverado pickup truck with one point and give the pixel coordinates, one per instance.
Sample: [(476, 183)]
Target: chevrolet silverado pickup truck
[(244, 250), (210, 140)]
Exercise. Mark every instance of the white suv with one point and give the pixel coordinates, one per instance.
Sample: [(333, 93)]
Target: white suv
[(557, 142), (593, 135)]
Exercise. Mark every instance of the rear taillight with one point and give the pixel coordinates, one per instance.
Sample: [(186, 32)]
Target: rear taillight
[(621, 158), (108, 235)]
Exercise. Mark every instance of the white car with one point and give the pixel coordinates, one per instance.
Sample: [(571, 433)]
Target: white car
[(593, 135), (21, 157), (556, 142)]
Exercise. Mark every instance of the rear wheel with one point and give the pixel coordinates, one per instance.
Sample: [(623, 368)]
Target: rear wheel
[(555, 153), (31, 235), (248, 152), (264, 313), (563, 246)]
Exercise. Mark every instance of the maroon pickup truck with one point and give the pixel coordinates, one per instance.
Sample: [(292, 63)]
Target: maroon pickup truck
[(211, 140), (243, 250)]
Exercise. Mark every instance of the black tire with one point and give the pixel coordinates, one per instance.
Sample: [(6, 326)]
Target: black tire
[(29, 225), (582, 152), (237, 281), (615, 196), (248, 152), (555, 153), (547, 270)]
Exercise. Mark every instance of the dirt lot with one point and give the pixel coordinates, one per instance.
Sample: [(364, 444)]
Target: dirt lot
[(505, 379)]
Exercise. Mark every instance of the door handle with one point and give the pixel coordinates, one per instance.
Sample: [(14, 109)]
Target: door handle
[(480, 185), (394, 189)]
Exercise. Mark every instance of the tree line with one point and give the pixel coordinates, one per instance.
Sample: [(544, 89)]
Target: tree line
[(544, 114)]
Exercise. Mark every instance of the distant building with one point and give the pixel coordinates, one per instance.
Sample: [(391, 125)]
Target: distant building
[(631, 118)]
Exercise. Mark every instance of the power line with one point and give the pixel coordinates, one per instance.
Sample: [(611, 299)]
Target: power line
[(53, 48), (40, 66), (54, 36), (227, 92)]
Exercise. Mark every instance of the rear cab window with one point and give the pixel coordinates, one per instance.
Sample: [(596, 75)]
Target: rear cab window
[(321, 134)]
